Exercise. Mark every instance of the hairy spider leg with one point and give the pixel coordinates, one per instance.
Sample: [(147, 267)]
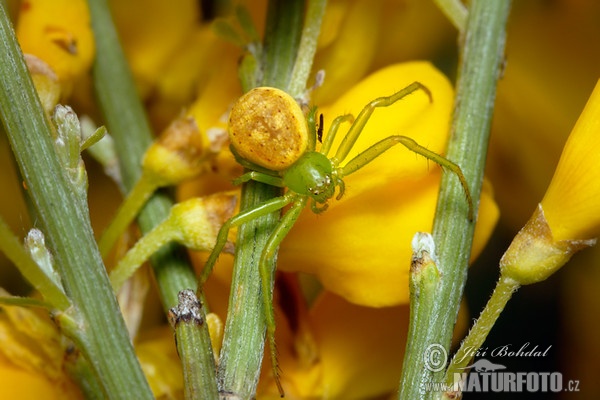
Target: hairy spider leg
[(266, 276), (363, 117), (380, 147), (262, 209), (259, 177), (331, 133), (250, 165)]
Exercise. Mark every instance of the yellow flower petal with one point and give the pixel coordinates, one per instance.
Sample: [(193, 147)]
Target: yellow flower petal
[(413, 116), (361, 249), (32, 362), (571, 204), (569, 214), (59, 33), (348, 58), (370, 368), (152, 33)]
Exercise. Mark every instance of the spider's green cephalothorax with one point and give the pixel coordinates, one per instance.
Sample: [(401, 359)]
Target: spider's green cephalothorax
[(312, 175)]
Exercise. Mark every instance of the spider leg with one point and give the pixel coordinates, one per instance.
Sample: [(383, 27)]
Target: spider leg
[(316, 208), (380, 147), (342, 187), (263, 209), (333, 131), (311, 120), (365, 114), (279, 233), (259, 177), (249, 165)]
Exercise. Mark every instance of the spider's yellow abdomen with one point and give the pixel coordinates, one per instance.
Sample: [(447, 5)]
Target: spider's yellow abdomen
[(268, 128)]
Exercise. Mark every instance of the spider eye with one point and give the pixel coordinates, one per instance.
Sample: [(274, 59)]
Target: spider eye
[(267, 127), (321, 187)]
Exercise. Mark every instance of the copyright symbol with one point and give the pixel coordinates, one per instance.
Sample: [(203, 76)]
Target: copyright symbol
[(435, 357)]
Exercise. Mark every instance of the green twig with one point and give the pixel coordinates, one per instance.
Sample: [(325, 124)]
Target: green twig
[(481, 61), (282, 38), (126, 213), (65, 222), (129, 128), (189, 322), (308, 47), (16, 253), (243, 342), (456, 12), (423, 285), (126, 121), (502, 293)]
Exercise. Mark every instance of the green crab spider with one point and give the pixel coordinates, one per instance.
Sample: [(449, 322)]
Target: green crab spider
[(273, 140)]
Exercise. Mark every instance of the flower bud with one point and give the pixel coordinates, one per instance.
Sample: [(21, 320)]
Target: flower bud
[(177, 155), (534, 254), (571, 201), (569, 214)]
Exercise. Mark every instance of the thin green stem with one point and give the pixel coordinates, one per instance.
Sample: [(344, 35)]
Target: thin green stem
[(65, 222), (141, 252), (282, 38), (308, 47), (23, 302), (456, 12), (502, 293), (424, 282), (189, 322), (126, 213), (481, 61), (13, 249), (244, 336), (127, 123)]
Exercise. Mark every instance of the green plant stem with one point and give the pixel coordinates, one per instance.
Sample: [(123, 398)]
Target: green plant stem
[(127, 123), (282, 38), (141, 252), (189, 322), (244, 336), (423, 284), (65, 222), (455, 11), (481, 61), (501, 295), (129, 128), (16, 253), (126, 213), (308, 47)]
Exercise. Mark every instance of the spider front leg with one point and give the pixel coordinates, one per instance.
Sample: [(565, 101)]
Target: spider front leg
[(332, 132), (259, 177), (263, 209), (266, 276), (360, 122), (380, 147)]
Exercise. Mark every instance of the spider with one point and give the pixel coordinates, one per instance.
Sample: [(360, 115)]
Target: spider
[(271, 137)]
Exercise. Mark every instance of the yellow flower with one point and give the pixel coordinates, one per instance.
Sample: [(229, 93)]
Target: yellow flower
[(361, 36), (59, 33), (571, 202), (360, 247), (153, 33), (569, 214), (335, 349), (32, 357), (550, 72)]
